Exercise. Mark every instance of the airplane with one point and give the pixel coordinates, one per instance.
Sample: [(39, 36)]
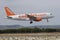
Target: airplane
[(31, 16)]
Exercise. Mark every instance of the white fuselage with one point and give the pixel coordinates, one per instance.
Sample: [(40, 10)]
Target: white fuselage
[(24, 17)]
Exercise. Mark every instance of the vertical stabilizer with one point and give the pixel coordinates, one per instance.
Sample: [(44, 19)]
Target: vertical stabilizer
[(9, 12)]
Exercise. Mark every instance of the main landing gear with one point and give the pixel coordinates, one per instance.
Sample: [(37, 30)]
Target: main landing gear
[(31, 22)]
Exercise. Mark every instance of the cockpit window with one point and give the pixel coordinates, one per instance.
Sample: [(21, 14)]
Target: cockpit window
[(50, 13)]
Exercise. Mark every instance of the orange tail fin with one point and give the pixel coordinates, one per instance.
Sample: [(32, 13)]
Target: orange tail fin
[(9, 12)]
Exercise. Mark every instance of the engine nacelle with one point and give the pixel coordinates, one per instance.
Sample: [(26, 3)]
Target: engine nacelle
[(38, 19)]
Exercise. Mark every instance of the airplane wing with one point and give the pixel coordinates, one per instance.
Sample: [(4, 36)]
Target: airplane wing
[(31, 18)]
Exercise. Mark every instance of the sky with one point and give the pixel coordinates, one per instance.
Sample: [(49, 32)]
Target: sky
[(30, 6)]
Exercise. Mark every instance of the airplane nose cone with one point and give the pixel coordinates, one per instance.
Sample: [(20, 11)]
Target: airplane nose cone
[(52, 16)]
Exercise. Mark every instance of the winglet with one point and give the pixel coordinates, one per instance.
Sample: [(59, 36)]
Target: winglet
[(8, 12)]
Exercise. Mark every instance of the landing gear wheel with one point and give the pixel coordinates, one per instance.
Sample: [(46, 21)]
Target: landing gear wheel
[(47, 20), (31, 22)]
